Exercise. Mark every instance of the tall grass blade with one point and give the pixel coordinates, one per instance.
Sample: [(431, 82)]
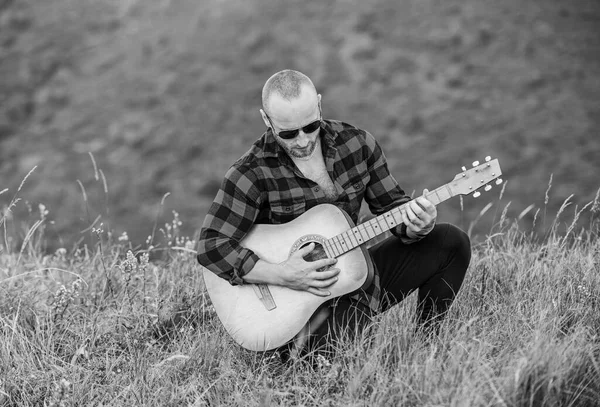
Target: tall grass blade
[(25, 179), (94, 164)]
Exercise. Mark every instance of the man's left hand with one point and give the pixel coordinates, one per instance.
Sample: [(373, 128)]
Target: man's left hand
[(419, 216)]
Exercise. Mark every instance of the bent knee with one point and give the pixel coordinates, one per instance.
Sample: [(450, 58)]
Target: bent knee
[(457, 241)]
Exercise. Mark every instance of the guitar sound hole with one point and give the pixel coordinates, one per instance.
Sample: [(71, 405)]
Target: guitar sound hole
[(316, 254)]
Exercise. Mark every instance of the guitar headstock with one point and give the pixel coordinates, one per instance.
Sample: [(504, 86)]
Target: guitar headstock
[(480, 176)]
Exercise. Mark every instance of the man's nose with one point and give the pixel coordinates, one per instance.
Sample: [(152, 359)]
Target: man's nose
[(302, 139)]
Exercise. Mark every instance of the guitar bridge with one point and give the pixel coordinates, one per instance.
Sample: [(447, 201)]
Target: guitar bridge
[(264, 295)]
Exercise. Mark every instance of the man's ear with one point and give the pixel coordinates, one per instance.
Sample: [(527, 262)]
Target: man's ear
[(264, 117), (320, 109)]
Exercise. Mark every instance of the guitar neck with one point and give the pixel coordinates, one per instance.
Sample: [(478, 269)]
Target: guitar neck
[(358, 235)]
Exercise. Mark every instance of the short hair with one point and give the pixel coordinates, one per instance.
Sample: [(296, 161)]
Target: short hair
[(286, 83)]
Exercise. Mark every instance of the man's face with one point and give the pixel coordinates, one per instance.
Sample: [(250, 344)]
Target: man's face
[(295, 114)]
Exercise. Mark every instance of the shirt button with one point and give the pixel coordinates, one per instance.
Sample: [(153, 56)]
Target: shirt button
[(356, 185), (317, 189)]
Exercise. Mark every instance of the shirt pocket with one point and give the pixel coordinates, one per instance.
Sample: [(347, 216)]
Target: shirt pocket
[(283, 211), (354, 193)]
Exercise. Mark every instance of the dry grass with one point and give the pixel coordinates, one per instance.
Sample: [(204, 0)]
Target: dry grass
[(99, 325)]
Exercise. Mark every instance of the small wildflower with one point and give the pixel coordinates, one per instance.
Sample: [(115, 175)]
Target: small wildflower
[(61, 253), (98, 231), (129, 265), (76, 287), (144, 260), (64, 296), (189, 244), (132, 269), (43, 211), (176, 221), (124, 237), (323, 362), (584, 292)]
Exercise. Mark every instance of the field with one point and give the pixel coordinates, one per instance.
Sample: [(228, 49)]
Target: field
[(165, 95), (118, 119), (108, 325)]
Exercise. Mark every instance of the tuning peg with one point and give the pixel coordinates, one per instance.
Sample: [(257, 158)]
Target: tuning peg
[(487, 188), (477, 194), (488, 158), (499, 181), (464, 168), (475, 163)]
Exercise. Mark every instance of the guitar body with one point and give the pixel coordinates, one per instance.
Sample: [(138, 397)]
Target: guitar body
[(253, 322)]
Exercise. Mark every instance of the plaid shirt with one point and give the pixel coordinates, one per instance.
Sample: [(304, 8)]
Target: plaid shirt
[(265, 186)]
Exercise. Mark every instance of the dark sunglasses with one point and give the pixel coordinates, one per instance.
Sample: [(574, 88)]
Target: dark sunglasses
[(290, 134)]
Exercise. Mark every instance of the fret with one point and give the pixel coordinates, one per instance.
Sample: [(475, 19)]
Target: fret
[(352, 239), (337, 244), (334, 249), (369, 228), (396, 213), (344, 242), (362, 228), (448, 190), (375, 226), (358, 235), (389, 219), (437, 194), (329, 249), (383, 227)]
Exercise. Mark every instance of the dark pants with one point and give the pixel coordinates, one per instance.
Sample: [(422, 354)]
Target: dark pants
[(435, 266)]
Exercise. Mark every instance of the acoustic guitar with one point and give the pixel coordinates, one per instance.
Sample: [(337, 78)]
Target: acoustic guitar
[(260, 317)]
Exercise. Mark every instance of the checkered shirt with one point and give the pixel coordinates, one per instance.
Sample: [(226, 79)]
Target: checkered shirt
[(265, 186)]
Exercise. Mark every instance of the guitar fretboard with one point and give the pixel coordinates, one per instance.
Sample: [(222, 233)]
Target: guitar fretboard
[(354, 237)]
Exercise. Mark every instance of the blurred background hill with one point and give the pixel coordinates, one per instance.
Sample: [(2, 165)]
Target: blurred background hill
[(165, 95)]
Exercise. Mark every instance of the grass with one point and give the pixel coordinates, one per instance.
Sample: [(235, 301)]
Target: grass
[(112, 324)]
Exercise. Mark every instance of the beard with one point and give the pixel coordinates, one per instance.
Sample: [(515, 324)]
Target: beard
[(306, 152)]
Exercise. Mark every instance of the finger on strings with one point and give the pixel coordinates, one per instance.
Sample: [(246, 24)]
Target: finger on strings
[(405, 217), (410, 211)]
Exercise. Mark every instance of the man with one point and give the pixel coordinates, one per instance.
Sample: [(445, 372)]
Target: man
[(303, 160)]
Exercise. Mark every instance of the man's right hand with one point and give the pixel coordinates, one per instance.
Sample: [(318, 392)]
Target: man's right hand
[(302, 275)]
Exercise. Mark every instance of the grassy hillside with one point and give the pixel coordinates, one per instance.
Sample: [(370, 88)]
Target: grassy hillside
[(165, 95), (102, 327)]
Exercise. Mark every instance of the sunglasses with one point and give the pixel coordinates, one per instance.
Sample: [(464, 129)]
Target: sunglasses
[(290, 134)]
